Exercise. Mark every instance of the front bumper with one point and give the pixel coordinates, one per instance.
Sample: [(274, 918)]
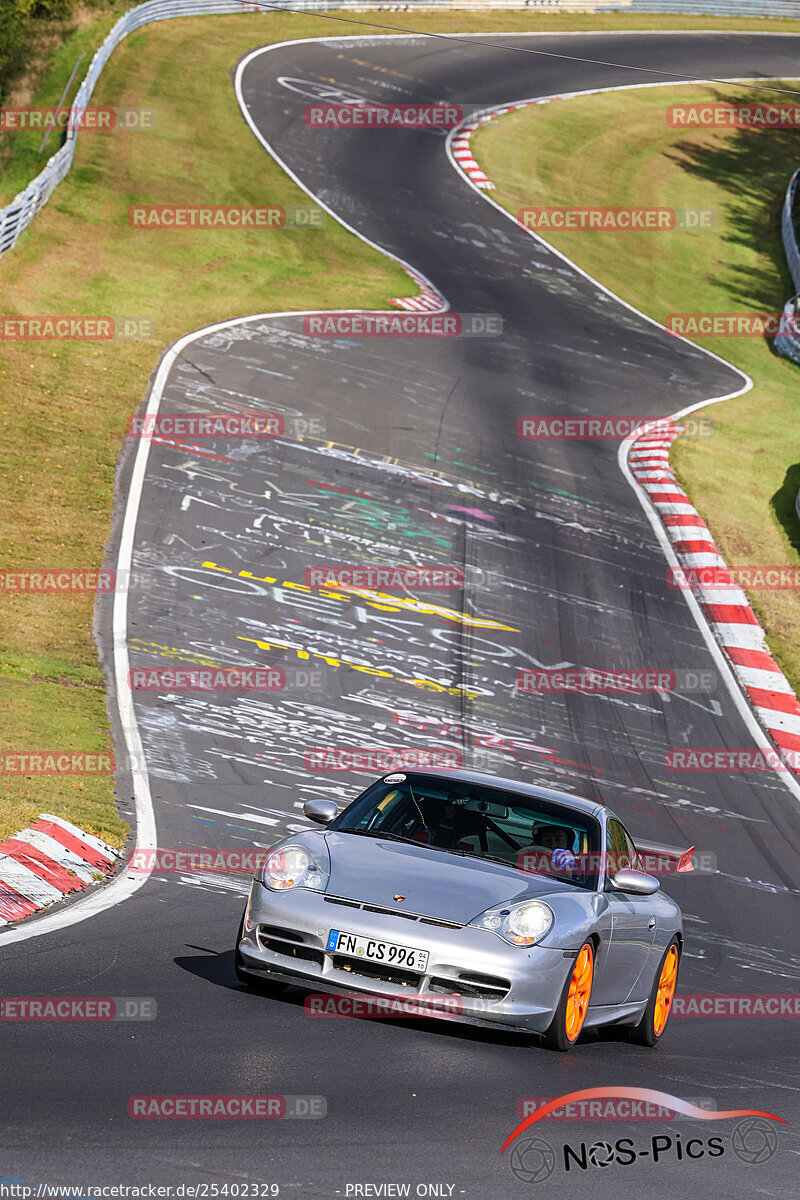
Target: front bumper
[(285, 938)]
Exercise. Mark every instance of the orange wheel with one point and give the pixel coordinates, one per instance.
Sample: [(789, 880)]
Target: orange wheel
[(665, 991), (580, 989), (570, 1015), (653, 1020)]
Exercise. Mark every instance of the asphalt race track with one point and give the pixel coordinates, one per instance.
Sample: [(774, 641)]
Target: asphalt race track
[(418, 462)]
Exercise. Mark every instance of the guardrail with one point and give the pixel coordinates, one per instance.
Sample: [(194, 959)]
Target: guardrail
[(718, 8), (17, 215), (788, 230), (789, 344)]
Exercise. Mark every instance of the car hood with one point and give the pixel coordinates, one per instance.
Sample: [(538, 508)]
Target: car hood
[(432, 882)]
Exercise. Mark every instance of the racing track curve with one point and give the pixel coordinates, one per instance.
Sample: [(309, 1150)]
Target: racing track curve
[(420, 462)]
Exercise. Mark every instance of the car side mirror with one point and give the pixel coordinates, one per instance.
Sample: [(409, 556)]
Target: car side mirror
[(636, 882), (321, 811)]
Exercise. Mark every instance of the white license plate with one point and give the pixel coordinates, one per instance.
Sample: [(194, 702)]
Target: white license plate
[(356, 946)]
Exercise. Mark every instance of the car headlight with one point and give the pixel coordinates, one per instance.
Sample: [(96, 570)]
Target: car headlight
[(520, 924), (249, 924), (293, 866)]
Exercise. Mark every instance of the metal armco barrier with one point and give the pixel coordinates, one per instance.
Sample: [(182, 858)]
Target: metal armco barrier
[(789, 344), (17, 215), (717, 8), (788, 230)]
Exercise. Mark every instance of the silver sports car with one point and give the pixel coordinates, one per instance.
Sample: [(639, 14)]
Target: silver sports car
[(499, 903)]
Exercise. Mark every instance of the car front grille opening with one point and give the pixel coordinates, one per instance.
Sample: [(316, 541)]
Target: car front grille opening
[(475, 987), (379, 971), (276, 931), (293, 948)]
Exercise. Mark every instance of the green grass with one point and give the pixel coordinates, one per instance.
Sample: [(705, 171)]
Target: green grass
[(64, 406), (617, 149), (35, 705), (21, 155)]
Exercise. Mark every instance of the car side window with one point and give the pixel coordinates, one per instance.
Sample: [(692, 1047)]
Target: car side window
[(622, 852)]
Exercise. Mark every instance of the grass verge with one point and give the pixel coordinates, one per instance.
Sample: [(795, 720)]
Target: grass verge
[(21, 156), (617, 149)]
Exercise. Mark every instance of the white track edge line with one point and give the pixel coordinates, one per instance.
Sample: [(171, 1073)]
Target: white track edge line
[(127, 883)]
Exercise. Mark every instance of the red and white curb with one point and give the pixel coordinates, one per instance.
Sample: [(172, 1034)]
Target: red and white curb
[(46, 862), (462, 151), (727, 609), (429, 300)]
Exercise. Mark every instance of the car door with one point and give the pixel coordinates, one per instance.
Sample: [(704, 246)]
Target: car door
[(633, 927)]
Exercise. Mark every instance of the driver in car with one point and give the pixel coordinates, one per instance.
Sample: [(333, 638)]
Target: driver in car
[(558, 840)]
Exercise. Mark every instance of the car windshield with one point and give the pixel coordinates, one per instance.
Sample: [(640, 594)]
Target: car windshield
[(525, 832)]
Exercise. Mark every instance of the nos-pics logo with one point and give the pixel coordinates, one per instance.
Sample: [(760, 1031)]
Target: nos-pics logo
[(753, 1140)]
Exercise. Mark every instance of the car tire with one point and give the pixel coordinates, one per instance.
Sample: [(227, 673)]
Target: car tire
[(565, 1028), (267, 987), (655, 1017)]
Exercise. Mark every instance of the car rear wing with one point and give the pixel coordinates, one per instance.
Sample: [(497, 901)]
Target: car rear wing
[(658, 859)]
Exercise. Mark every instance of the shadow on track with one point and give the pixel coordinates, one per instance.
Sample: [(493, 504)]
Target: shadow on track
[(217, 967)]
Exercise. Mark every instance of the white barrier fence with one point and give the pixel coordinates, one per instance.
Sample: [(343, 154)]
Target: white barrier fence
[(17, 215), (788, 230), (789, 344)]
